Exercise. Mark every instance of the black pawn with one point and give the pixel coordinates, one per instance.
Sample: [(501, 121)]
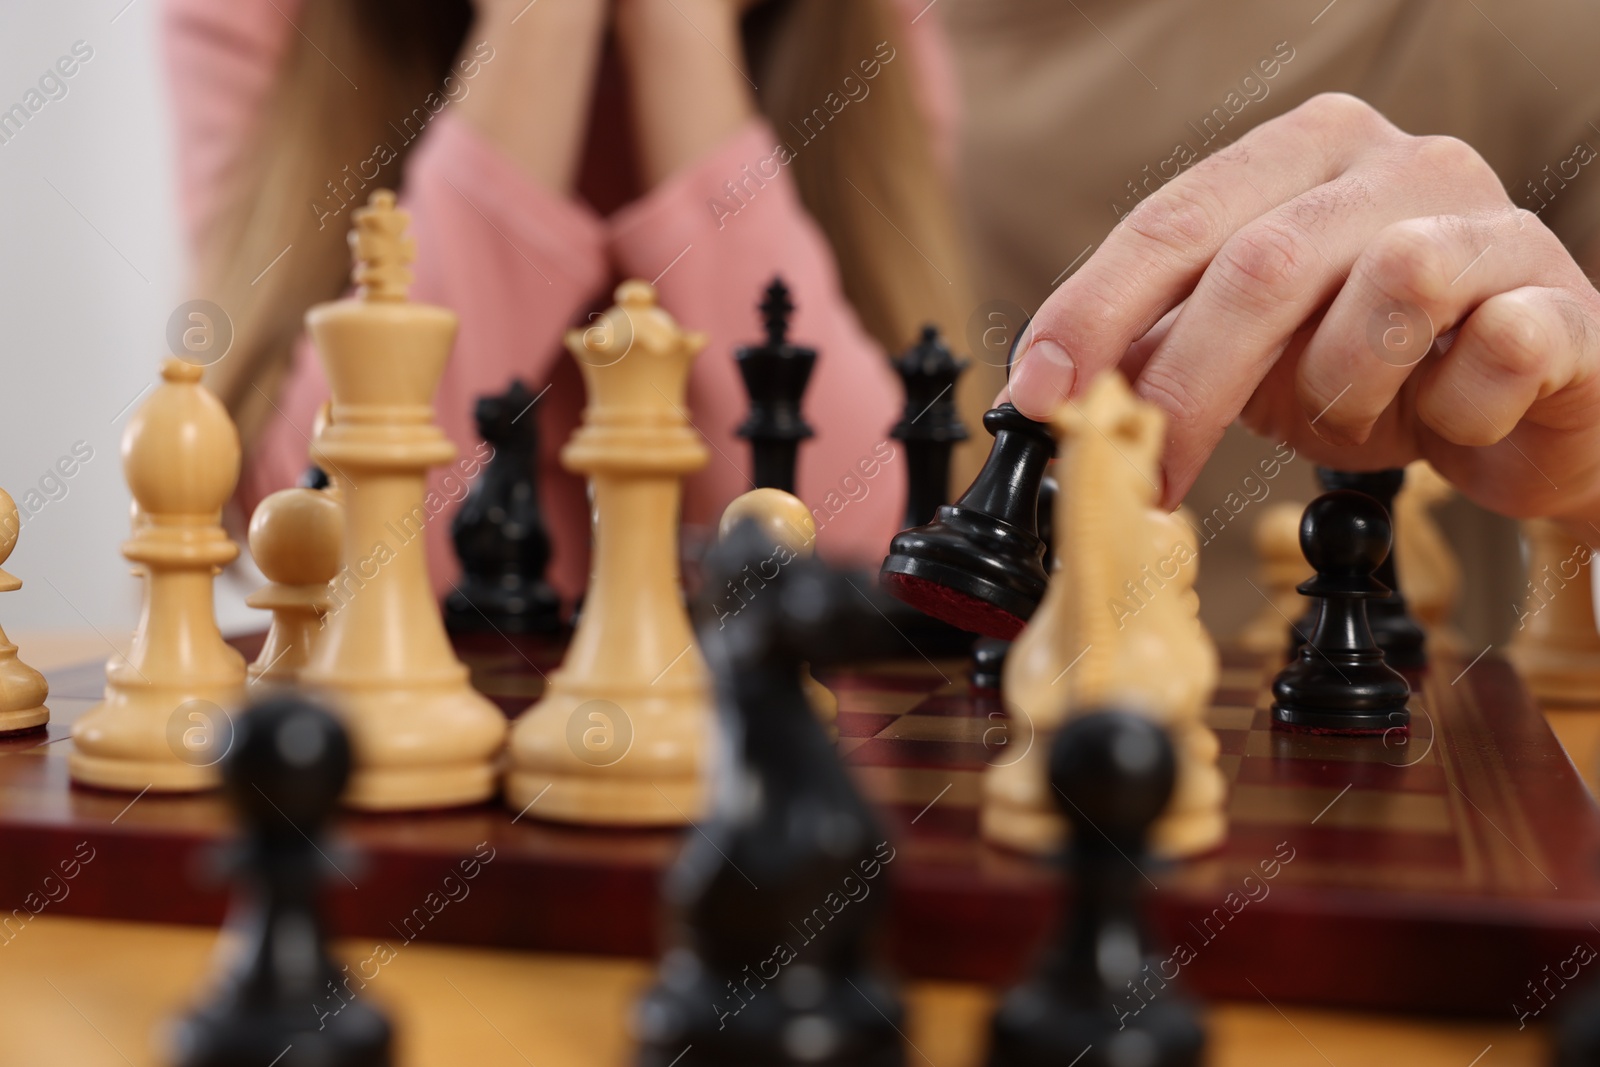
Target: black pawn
[(1098, 1000), (499, 533), (775, 375), (313, 477), (1577, 1028), (1338, 681), (1394, 628), (989, 653), (979, 565), (774, 904), (277, 1005), (930, 426)]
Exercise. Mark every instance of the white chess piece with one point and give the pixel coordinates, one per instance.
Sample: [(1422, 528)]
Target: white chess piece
[(163, 723), (295, 537), (621, 735), (22, 689), (421, 736)]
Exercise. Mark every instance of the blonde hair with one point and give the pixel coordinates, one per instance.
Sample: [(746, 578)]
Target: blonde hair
[(871, 164)]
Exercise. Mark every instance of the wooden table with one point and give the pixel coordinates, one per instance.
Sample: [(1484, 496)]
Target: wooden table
[(90, 992), (86, 993)]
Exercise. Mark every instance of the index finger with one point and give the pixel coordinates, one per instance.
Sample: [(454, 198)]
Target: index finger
[(1155, 255)]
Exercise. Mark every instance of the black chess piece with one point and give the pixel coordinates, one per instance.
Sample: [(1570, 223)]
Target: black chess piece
[(979, 565), (1338, 681), (1577, 1028), (1394, 628), (775, 375), (930, 425), (1099, 1000), (499, 533), (278, 1004), (989, 653), (774, 903), (313, 477), (989, 661)]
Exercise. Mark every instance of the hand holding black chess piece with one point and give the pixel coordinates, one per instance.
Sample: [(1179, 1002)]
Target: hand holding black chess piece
[(775, 375), (979, 565), (775, 901), (499, 533), (1113, 772), (1394, 628), (1338, 681), (287, 766)]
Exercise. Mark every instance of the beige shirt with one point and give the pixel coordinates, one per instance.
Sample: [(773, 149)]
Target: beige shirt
[(1076, 109)]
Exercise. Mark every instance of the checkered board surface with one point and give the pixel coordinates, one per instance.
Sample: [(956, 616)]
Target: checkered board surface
[(1436, 872), (921, 751)]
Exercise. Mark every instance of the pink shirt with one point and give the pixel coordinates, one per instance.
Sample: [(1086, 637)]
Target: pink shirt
[(520, 264)]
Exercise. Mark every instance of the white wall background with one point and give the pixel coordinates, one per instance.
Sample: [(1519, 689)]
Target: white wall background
[(91, 266)]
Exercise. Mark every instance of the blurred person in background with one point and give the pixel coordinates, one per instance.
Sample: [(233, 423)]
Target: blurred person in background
[(548, 150)]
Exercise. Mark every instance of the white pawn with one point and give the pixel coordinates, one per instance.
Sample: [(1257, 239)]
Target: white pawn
[(22, 689), (1280, 567), (1555, 646), (295, 538)]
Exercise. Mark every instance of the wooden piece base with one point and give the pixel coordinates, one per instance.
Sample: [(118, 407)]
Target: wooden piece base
[(23, 719), (647, 771), (418, 749)]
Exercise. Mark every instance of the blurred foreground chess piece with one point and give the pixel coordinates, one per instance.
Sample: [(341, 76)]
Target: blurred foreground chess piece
[(1577, 1027), (275, 1004), (1555, 646), (1280, 568), (295, 539), (422, 736), (620, 735), (979, 564), (163, 719), (775, 375), (751, 975), (786, 521), (1111, 773), (22, 689), (499, 533), (1394, 628), (1338, 681), (1120, 624)]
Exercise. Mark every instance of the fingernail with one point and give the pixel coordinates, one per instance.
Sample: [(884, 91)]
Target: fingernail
[(1042, 379)]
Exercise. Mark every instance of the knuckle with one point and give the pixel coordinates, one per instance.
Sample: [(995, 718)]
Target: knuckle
[(1447, 414), (1332, 413), (1512, 339), (1446, 155), (1341, 111), (1084, 320), (1171, 393), (1407, 263), (1264, 264), (1179, 219)]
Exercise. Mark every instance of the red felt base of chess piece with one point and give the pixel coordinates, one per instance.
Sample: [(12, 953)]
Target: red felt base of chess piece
[(956, 608)]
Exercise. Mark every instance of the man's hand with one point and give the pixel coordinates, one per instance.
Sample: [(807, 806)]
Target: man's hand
[(1368, 296)]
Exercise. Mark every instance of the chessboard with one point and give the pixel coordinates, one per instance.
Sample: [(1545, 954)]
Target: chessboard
[(1435, 871)]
